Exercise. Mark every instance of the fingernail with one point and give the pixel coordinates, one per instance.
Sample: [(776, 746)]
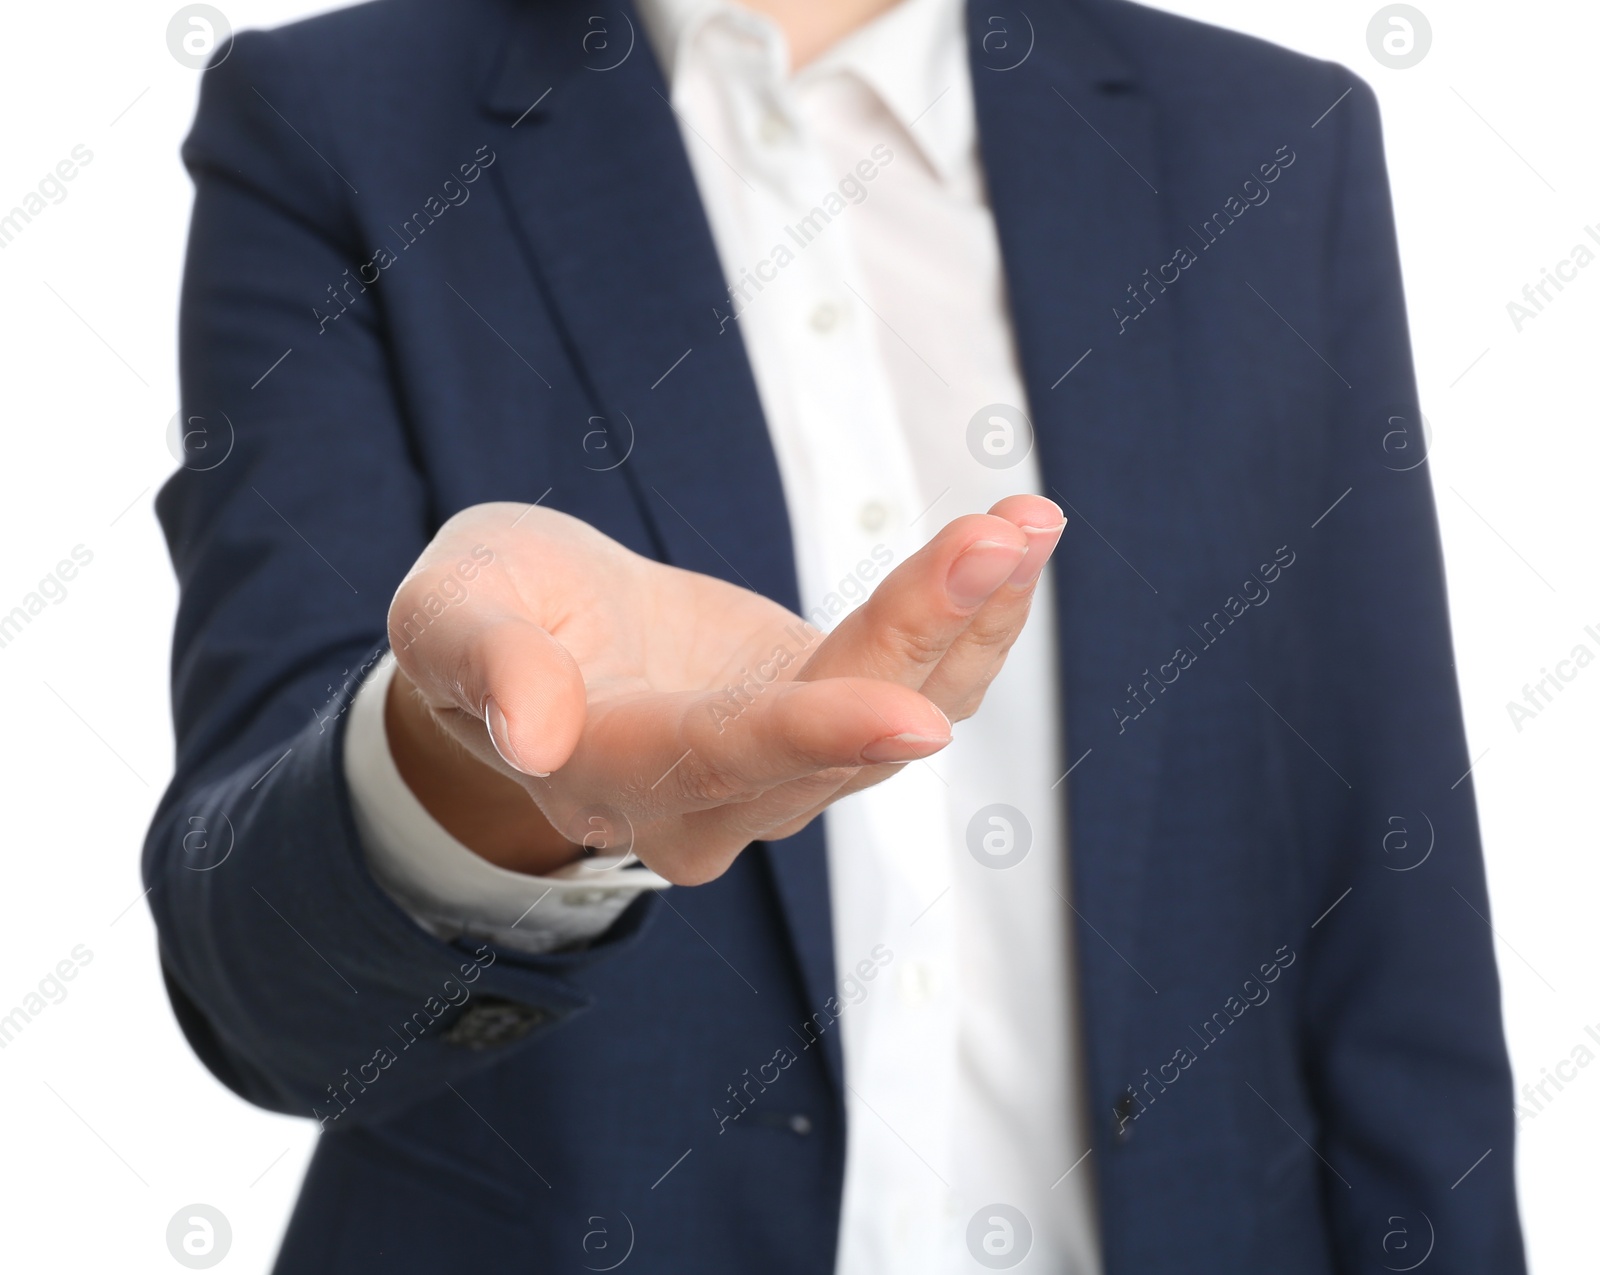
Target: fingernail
[(500, 737), (903, 747), (979, 571), (1041, 543)]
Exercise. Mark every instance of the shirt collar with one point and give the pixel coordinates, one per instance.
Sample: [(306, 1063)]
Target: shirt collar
[(671, 24), (913, 57)]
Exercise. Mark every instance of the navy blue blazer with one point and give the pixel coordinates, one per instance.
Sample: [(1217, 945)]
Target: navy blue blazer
[(432, 244)]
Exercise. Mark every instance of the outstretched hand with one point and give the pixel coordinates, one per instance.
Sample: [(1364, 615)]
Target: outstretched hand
[(649, 708)]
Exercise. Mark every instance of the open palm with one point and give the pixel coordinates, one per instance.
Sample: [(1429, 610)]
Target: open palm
[(649, 708)]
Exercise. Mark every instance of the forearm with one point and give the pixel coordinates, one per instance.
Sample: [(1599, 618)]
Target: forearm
[(292, 965), (447, 887)]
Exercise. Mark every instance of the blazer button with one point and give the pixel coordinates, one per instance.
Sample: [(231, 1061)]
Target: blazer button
[(491, 1022), (1125, 1109), (800, 1123)]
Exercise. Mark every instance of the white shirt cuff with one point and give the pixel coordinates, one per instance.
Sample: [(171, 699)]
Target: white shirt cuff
[(447, 888)]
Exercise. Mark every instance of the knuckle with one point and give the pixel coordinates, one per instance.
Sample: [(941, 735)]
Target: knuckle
[(992, 634), (917, 647), (708, 782), (785, 811), (822, 786)]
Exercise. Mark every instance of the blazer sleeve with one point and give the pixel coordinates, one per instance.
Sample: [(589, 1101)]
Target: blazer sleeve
[(298, 509), (1403, 1045)]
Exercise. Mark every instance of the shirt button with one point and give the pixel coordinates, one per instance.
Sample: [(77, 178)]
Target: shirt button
[(774, 128), (874, 515), (825, 317)]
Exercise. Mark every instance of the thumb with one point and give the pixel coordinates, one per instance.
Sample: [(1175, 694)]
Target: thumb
[(505, 672)]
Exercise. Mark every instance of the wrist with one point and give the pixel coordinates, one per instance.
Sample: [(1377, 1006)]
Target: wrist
[(490, 813)]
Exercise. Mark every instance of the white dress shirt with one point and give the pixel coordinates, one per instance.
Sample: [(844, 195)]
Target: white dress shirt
[(848, 207)]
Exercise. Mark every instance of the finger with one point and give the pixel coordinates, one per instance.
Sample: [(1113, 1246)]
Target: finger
[(958, 683), (480, 660), (904, 629), (780, 812), (783, 810), (1042, 521), (670, 754)]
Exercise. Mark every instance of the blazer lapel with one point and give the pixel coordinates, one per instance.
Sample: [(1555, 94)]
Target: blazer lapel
[(594, 166), (1073, 170), (607, 203)]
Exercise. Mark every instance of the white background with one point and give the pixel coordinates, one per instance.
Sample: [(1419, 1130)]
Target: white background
[(109, 1123)]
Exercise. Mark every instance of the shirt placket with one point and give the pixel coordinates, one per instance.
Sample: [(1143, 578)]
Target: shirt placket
[(889, 844), (853, 498)]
